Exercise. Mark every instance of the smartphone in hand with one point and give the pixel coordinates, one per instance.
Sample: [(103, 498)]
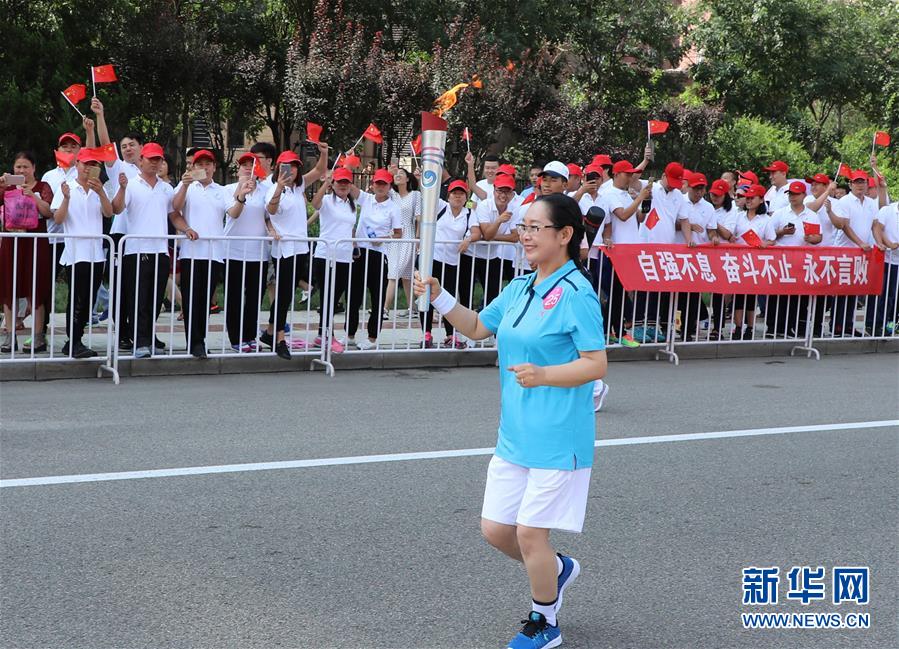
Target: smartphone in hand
[(93, 173), (286, 169), (15, 180), (198, 174)]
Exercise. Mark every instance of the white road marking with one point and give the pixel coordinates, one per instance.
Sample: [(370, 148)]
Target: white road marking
[(424, 455)]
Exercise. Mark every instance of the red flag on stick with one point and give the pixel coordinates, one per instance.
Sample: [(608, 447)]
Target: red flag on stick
[(351, 161), (811, 228), (881, 138), (106, 152), (416, 145), (76, 93), (373, 134), (844, 170), (752, 239), (652, 219), (104, 74), (466, 134), (64, 160), (657, 127), (313, 132)]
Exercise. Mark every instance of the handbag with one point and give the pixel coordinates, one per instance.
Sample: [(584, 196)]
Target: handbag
[(20, 211)]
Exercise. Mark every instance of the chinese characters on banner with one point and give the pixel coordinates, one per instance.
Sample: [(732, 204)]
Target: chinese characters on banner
[(743, 270)]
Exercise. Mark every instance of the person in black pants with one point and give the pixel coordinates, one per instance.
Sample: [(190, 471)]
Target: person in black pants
[(84, 280), (144, 276), (199, 280), (244, 285), (369, 272)]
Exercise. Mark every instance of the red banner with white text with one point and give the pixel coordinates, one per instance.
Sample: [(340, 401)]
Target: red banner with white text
[(743, 270)]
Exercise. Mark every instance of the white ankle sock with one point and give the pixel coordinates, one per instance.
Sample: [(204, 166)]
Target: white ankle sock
[(548, 610), (559, 565)]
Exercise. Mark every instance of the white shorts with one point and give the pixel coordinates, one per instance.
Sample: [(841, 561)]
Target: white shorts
[(544, 498)]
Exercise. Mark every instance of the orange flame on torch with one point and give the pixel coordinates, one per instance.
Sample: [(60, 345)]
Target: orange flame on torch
[(451, 97)]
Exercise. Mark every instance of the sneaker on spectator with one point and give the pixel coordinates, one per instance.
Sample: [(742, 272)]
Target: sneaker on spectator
[(628, 341), (198, 350), (891, 329), (245, 348), (365, 344), (282, 350), (142, 352), (454, 342), (38, 345), (337, 346), (287, 327), (214, 308), (317, 342), (299, 344), (126, 345), (8, 343), (266, 339), (158, 345), (428, 341)]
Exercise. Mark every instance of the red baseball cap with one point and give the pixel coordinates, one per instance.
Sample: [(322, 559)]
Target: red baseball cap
[(593, 169), (754, 191), (696, 179), (797, 187), (246, 157), (505, 181), (602, 160), (574, 170), (824, 179), (506, 169), (69, 136), (623, 167), (748, 175), (152, 150), (288, 157), (859, 174), (88, 155), (778, 165), (204, 153), (342, 173), (720, 187), (674, 172), (382, 176), (459, 184)]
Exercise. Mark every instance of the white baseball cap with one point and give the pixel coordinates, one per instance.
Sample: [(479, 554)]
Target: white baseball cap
[(556, 169)]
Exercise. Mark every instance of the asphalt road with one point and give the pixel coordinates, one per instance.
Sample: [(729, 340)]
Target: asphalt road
[(389, 556)]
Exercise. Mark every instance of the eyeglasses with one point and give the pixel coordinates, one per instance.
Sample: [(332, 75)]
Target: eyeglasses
[(535, 229)]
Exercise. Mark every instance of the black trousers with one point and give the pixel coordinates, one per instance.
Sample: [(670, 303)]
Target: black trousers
[(341, 281), (692, 311), (243, 288), (287, 274), (375, 281), (464, 275), (446, 274), (489, 272), (84, 282), (144, 276), (199, 278)]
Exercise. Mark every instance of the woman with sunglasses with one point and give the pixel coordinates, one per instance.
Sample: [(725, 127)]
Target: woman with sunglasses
[(549, 328)]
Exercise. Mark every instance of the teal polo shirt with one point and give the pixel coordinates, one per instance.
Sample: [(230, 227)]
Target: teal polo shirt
[(547, 324)]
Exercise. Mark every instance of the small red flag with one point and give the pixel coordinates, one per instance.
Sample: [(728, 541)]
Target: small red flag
[(657, 127), (64, 160), (416, 145), (76, 92), (106, 152), (881, 138), (845, 170), (351, 161), (258, 171), (751, 238), (104, 74), (313, 132), (373, 133), (531, 198), (652, 219), (466, 135), (811, 228)]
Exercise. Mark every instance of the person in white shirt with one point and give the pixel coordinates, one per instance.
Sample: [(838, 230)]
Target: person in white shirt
[(452, 224), (853, 216), (776, 196), (621, 226), (886, 309), (145, 261), (699, 226), (246, 262), (379, 218), (337, 220), (533, 174), (203, 203), (79, 207), (401, 256), (494, 264), (575, 179), (720, 197), (482, 189), (794, 225)]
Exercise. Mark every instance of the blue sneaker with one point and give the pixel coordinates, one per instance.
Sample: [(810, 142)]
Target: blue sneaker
[(536, 634), (570, 571)]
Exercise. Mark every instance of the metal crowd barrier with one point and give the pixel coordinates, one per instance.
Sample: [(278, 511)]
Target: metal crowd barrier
[(98, 336)]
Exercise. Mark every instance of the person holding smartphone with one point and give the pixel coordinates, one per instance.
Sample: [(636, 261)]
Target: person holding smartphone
[(549, 330), (25, 264)]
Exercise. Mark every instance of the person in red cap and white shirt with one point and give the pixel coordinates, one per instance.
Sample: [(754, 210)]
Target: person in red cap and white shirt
[(145, 261), (721, 200), (575, 180), (79, 207), (202, 203), (246, 261), (776, 196), (452, 224), (886, 234), (482, 189), (794, 225), (493, 222), (699, 226), (854, 216), (621, 226)]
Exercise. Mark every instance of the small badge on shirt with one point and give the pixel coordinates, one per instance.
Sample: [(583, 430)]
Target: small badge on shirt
[(552, 299)]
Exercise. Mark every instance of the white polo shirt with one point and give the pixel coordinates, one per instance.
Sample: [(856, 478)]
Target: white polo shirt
[(760, 224), (671, 208), (131, 171), (336, 221), (828, 231), (289, 221), (85, 217), (250, 223), (487, 212), (622, 231), (786, 215), (55, 178), (148, 216), (726, 218), (776, 198), (861, 215), (377, 220), (888, 215), (450, 227), (701, 213), (487, 187), (204, 211)]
